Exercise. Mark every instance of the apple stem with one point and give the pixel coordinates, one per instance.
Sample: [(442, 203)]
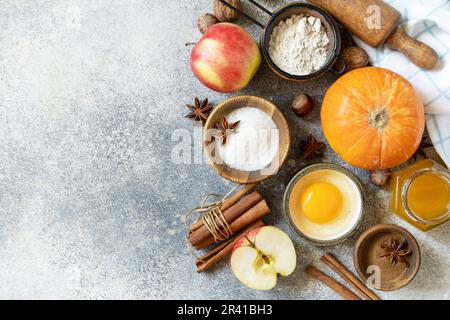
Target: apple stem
[(252, 244), (190, 44)]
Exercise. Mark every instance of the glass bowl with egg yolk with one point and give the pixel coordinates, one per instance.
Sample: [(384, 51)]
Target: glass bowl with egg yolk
[(323, 204)]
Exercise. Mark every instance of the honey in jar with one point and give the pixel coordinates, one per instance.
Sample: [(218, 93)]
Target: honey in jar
[(420, 194)]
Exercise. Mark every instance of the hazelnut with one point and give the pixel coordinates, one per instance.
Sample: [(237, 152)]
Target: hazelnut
[(352, 58), (225, 14), (206, 21), (302, 105), (380, 177)]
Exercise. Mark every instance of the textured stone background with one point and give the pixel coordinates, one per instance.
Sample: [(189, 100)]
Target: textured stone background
[(90, 201)]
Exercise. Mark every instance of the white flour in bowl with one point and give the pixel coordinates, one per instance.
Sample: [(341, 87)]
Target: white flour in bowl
[(298, 45)]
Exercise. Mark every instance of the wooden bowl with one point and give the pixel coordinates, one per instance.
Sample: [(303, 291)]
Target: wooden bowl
[(217, 116), (297, 8), (367, 253)]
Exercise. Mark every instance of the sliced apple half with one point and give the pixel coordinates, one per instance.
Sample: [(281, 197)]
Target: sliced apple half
[(261, 255)]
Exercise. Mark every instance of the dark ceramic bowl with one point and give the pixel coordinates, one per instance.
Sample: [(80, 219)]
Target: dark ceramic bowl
[(367, 257), (296, 8)]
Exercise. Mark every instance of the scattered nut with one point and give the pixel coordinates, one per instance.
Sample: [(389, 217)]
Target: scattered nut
[(206, 21), (352, 58), (380, 177), (225, 14), (302, 105)]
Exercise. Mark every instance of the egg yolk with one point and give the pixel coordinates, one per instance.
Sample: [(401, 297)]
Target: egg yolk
[(321, 202)]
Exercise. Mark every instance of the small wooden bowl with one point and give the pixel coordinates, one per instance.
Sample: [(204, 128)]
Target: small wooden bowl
[(217, 116), (367, 253)]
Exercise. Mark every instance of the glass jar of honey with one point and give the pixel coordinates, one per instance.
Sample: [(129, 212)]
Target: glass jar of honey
[(420, 194)]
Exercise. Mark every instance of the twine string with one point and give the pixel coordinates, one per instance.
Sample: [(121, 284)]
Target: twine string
[(212, 217), (216, 224)]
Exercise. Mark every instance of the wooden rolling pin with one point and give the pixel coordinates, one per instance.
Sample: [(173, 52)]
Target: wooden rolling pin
[(360, 18)]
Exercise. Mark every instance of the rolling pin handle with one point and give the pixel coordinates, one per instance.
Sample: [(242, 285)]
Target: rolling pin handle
[(418, 52)]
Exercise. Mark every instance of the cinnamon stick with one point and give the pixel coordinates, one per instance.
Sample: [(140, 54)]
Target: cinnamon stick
[(348, 277), (227, 203), (202, 233), (331, 283), (256, 212), (220, 252)]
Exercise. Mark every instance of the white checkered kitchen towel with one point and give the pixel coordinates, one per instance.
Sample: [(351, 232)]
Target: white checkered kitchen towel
[(427, 21)]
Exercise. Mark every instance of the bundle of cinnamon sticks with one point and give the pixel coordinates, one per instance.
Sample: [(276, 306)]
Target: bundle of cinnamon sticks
[(242, 211)]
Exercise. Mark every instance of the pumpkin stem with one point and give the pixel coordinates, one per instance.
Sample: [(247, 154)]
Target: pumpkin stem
[(379, 118)]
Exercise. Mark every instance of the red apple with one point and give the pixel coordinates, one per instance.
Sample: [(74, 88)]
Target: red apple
[(226, 58), (260, 256)]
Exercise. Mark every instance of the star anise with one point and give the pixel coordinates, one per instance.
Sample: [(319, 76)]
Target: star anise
[(199, 111), (425, 143), (225, 129), (311, 148), (396, 252)]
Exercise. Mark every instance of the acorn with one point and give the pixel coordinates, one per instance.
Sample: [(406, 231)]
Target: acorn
[(352, 58), (302, 105), (206, 21), (225, 14), (380, 177)]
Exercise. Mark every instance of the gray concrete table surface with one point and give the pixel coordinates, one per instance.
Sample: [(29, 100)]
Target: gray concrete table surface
[(92, 96)]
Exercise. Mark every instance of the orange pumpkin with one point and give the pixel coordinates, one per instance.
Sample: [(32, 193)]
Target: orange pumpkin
[(373, 118)]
